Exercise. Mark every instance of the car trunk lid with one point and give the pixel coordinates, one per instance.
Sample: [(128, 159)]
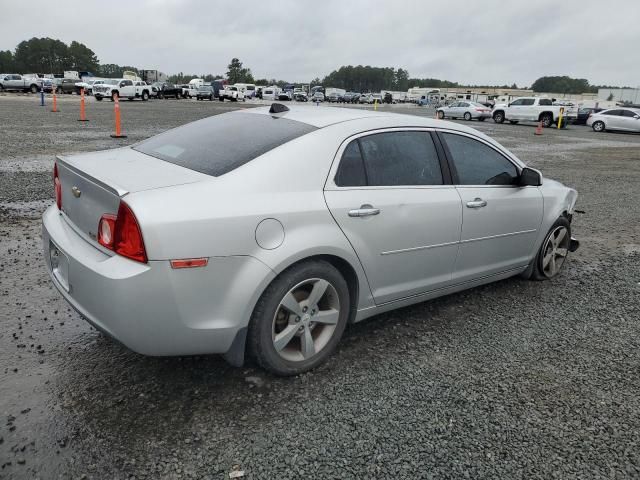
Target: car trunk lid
[(93, 183)]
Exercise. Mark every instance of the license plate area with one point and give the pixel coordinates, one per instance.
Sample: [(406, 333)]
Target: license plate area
[(59, 265)]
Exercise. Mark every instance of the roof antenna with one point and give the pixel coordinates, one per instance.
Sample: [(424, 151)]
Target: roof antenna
[(278, 108)]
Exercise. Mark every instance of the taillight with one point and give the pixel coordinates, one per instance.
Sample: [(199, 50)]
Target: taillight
[(106, 230), (121, 233), (57, 186)]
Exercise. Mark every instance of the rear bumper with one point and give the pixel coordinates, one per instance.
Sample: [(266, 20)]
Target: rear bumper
[(151, 308)]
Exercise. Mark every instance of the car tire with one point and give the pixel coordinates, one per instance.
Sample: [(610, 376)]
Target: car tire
[(440, 114), (467, 116), (145, 96), (553, 252), (498, 117), (113, 96), (303, 343), (99, 99), (547, 120), (598, 126), (481, 119), (211, 98), (33, 89)]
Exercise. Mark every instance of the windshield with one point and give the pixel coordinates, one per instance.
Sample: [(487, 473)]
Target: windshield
[(211, 145)]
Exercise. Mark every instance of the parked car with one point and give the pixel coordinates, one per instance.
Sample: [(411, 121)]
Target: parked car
[(375, 98), (182, 244), (168, 90), (232, 93), (467, 110), (205, 91), (285, 95), (584, 113), (87, 85), (189, 91), (317, 97), (47, 85), (364, 98), (300, 96), (348, 97), (623, 119), (65, 85), (122, 88), (533, 109), (13, 81), (334, 97)]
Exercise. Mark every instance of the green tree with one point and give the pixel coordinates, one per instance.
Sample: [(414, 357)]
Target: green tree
[(82, 58), (7, 63), (236, 73), (41, 55), (562, 84)]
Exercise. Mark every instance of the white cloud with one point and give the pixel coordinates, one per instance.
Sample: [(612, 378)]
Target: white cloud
[(472, 42)]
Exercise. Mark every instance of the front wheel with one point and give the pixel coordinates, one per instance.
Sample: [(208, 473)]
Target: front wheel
[(598, 126), (113, 96), (299, 319), (145, 96), (553, 253), (34, 89), (498, 117), (547, 120), (467, 116)]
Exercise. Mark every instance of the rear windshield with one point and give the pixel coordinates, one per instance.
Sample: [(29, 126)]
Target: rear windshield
[(219, 144)]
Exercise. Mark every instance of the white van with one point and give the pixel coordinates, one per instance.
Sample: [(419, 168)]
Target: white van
[(270, 93), (249, 89)]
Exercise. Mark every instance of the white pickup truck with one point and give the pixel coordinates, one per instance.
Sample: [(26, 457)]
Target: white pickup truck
[(12, 81), (231, 92), (533, 109), (122, 88)]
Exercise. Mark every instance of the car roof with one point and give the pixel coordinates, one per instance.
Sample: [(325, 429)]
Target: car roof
[(321, 117)]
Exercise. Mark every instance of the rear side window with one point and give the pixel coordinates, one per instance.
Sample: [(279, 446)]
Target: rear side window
[(615, 113), (212, 145), (351, 170), (390, 159), (545, 101), (479, 164)]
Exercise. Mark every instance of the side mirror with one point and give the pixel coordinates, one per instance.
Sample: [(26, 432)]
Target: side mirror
[(529, 178)]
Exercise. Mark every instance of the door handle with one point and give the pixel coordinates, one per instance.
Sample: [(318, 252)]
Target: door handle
[(477, 203), (364, 211)]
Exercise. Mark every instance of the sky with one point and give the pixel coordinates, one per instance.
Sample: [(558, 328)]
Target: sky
[(469, 41)]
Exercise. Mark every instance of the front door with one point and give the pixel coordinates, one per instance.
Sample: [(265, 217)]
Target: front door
[(500, 220), (391, 200)]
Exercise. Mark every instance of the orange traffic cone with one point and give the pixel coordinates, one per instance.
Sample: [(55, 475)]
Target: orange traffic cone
[(54, 108), (83, 117), (116, 111), (539, 129)]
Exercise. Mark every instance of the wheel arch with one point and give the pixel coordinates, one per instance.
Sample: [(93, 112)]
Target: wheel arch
[(546, 112)]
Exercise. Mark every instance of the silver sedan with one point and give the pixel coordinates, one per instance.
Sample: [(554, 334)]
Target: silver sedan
[(192, 242), (623, 119), (467, 110)]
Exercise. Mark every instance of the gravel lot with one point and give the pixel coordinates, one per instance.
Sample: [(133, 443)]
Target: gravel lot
[(512, 380)]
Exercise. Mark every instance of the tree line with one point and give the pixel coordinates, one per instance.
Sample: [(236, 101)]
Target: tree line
[(39, 55)]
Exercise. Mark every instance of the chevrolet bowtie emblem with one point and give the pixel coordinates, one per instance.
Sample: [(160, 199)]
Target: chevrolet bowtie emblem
[(76, 191)]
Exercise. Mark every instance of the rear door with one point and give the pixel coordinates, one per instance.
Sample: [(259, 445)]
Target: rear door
[(390, 193), (500, 220)]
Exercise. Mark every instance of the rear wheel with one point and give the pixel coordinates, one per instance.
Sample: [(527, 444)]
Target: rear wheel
[(598, 126), (547, 120), (299, 319), (34, 89), (467, 116)]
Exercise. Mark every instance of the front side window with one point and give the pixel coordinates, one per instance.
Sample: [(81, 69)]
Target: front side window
[(390, 159), (478, 164), (517, 103)]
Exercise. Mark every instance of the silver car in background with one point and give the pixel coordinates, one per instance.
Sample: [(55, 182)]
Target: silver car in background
[(191, 242), (466, 109), (623, 119)]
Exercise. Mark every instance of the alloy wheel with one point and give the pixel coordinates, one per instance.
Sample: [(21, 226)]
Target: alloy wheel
[(305, 320), (555, 251)]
